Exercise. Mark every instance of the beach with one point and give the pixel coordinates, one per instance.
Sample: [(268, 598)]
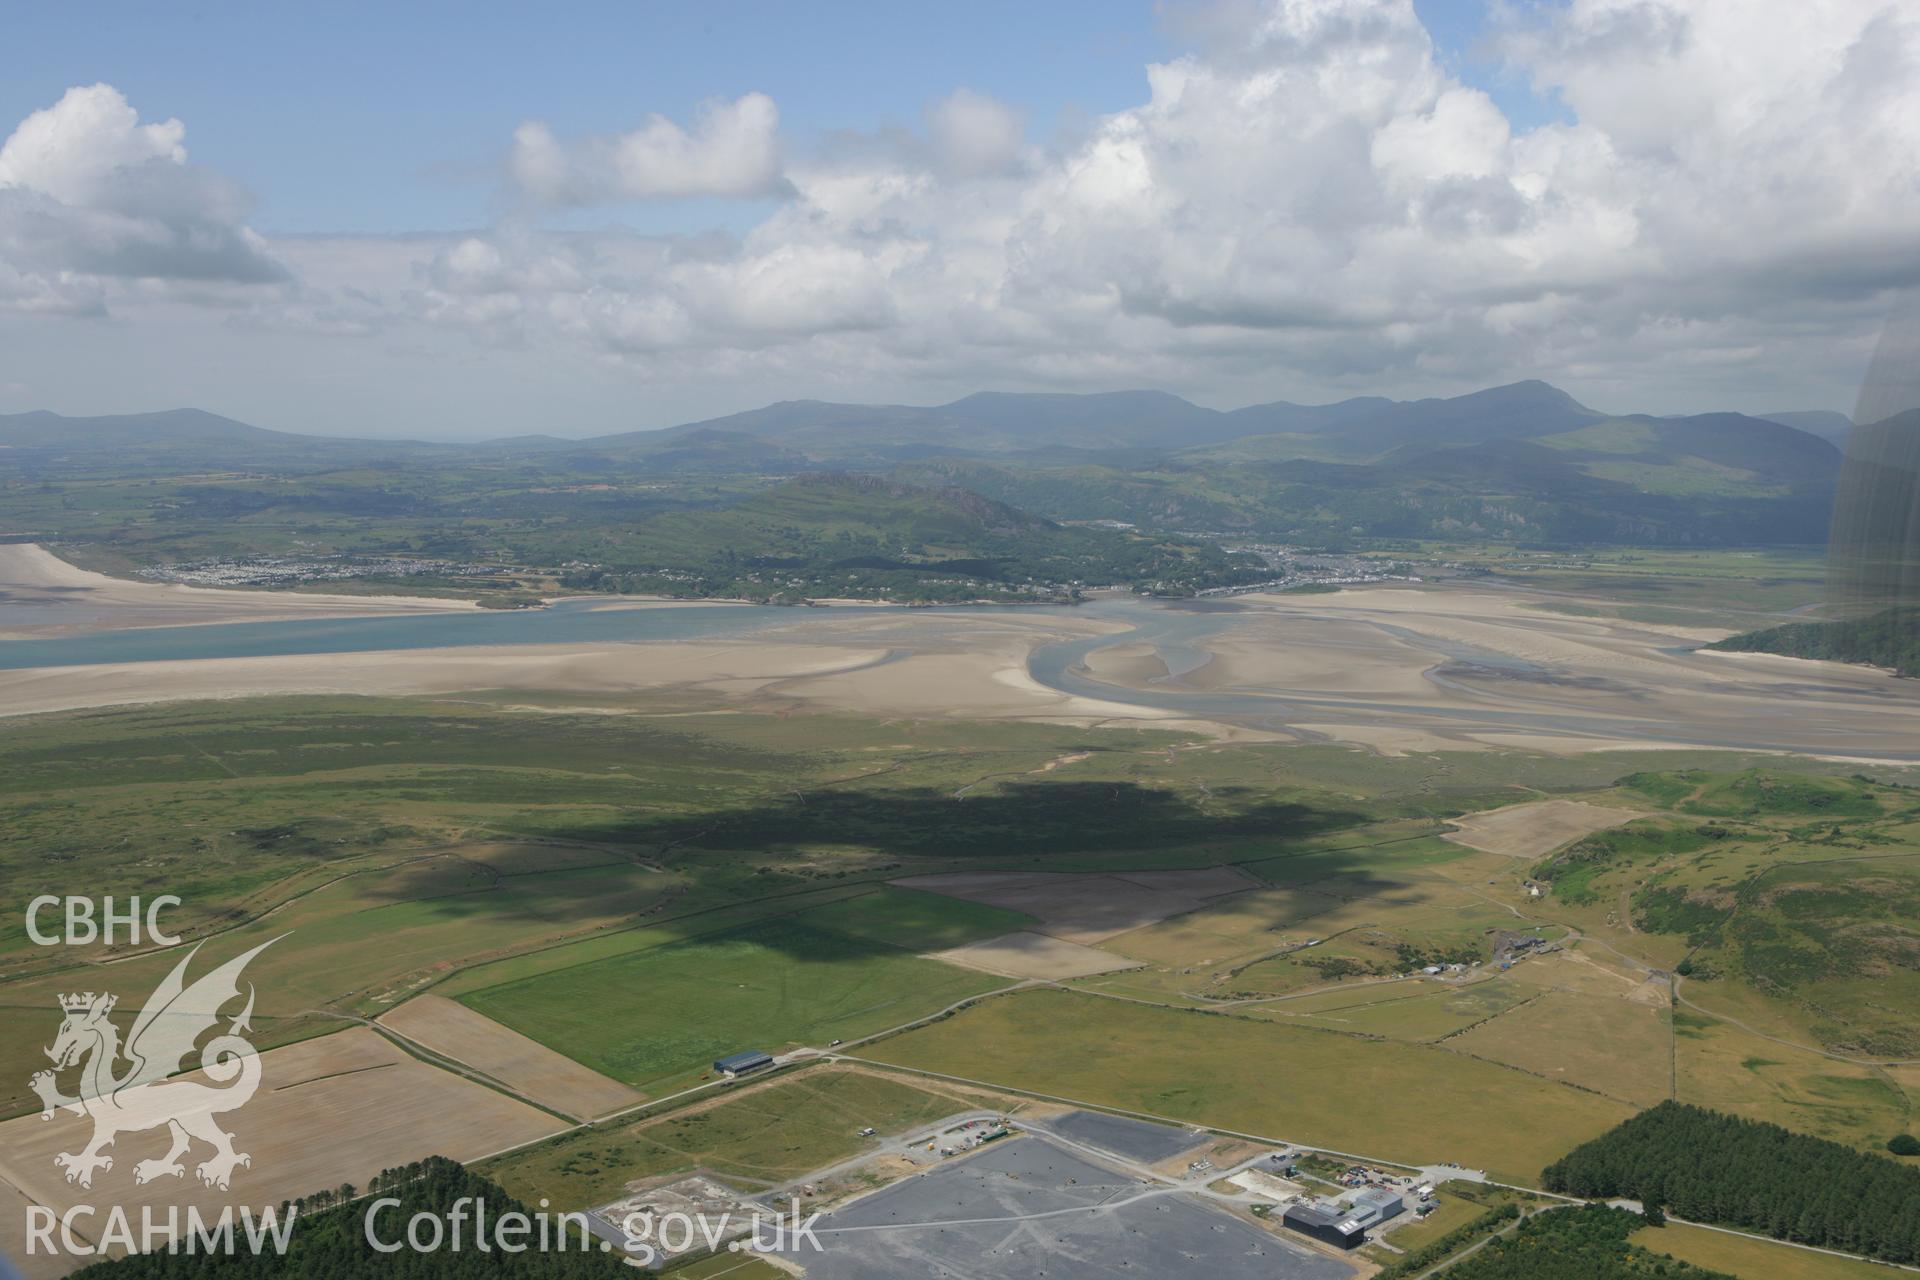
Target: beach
[(40, 594), (1389, 669)]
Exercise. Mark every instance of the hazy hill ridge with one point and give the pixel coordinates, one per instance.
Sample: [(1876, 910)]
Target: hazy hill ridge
[(982, 424), (1522, 462)]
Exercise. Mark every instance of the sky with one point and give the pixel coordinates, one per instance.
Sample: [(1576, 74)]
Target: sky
[(461, 221)]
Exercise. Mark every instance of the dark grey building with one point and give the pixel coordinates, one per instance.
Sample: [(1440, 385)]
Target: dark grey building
[(1324, 1221), (1344, 1222)]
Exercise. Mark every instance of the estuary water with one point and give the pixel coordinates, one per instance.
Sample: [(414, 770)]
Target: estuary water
[(567, 622), (1468, 689)]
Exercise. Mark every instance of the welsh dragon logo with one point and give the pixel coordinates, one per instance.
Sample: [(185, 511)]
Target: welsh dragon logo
[(142, 1096)]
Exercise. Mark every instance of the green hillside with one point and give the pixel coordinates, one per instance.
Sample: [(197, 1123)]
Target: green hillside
[(702, 509), (1799, 889), (1890, 638), (1601, 489), (867, 537)]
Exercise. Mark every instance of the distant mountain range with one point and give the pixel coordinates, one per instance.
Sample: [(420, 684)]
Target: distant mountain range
[(1007, 424), (1824, 423), (988, 423), (1524, 462)]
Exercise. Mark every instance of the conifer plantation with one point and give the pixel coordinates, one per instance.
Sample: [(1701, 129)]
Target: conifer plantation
[(1705, 1166)]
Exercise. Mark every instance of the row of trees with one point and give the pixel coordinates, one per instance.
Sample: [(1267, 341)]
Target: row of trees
[(1709, 1167), (1446, 1246)]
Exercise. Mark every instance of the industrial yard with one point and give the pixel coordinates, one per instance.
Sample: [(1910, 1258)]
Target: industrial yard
[(1040, 1189), (1029, 1206)]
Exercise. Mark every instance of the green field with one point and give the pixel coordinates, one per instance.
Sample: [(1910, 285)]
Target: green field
[(1421, 1105), (650, 889), (1752, 1259), (1428, 1012), (727, 1266), (765, 1136), (416, 843), (1611, 1046), (655, 1015)]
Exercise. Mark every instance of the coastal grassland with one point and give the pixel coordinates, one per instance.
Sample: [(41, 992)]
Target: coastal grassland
[(1836, 937), (727, 1266), (648, 1017), (1754, 1259), (240, 807), (400, 842), (1409, 1103), (1757, 793), (1783, 899), (755, 1136), (1705, 587), (1381, 935), (1419, 1010), (1612, 1045), (1729, 1068), (648, 888), (1332, 914), (235, 806)]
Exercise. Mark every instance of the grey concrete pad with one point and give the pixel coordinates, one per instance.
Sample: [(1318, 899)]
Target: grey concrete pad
[(1139, 1140), (1025, 1209)]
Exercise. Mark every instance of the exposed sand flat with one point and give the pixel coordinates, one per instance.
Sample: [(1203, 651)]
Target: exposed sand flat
[(1035, 955), (971, 666), (960, 667), (1127, 664), (1530, 830), (987, 682), (336, 1109), (1400, 670), (760, 672), (1328, 656), (46, 595), (454, 1031), (1389, 670), (583, 669)]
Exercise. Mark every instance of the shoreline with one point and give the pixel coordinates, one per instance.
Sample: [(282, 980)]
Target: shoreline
[(1388, 671), (34, 577)]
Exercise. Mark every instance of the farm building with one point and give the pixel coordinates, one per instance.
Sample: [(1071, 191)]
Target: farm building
[(738, 1064)]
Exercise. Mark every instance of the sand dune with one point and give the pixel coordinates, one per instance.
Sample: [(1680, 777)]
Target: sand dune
[(42, 594)]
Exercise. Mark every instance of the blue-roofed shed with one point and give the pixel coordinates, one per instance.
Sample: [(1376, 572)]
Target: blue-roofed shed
[(741, 1063)]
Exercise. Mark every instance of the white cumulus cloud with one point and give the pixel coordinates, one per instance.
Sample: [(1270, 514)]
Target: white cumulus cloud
[(91, 198), (1309, 197), (974, 134), (733, 149), (1308, 202)]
